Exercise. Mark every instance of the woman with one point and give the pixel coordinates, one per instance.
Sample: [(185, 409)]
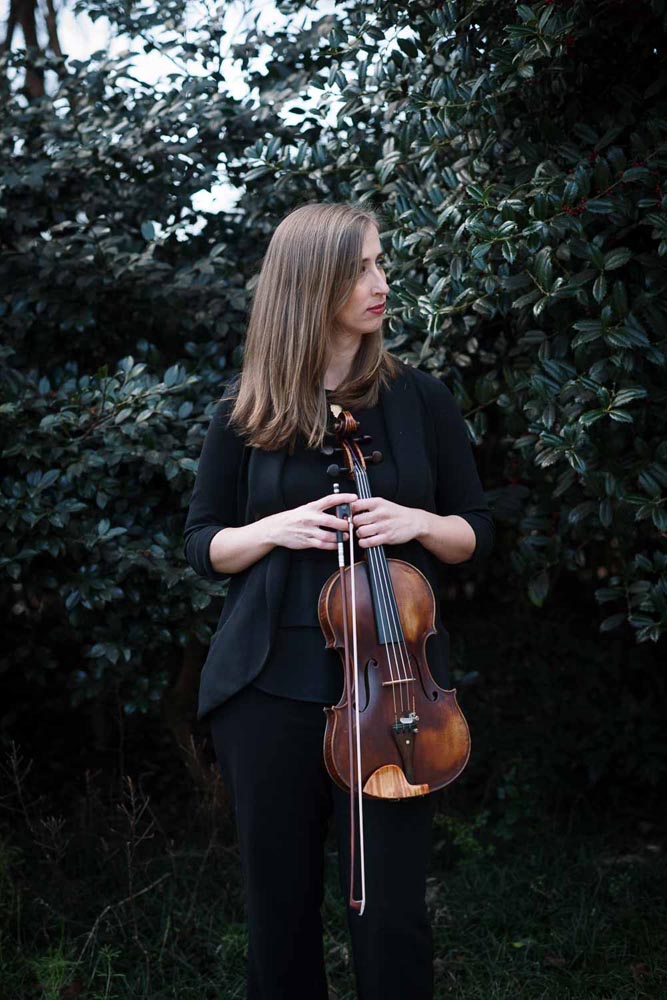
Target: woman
[(263, 514)]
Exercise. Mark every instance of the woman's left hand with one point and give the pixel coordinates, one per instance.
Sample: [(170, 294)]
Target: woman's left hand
[(378, 521)]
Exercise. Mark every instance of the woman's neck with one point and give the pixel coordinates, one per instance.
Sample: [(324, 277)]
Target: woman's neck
[(343, 352)]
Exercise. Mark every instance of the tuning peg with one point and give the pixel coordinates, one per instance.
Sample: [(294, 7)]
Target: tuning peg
[(363, 438), (374, 458), (329, 449), (334, 470)]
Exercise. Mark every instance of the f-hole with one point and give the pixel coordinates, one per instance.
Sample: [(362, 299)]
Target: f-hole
[(428, 692), (366, 684)]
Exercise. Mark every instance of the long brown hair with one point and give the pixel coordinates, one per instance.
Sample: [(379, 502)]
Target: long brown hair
[(308, 273)]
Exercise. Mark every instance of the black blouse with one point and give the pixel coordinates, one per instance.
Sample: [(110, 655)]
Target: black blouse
[(299, 665), (428, 465)]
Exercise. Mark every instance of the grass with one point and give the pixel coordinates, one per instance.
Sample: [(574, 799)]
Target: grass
[(112, 903), (558, 917)]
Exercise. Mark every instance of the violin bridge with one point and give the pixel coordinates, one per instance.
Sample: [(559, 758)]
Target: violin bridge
[(403, 680)]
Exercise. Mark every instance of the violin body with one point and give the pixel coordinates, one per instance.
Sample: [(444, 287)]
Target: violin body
[(414, 737)]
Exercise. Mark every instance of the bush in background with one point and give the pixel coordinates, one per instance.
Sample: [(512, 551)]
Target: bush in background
[(518, 156)]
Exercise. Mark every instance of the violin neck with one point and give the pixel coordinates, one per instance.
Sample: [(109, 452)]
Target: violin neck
[(387, 619)]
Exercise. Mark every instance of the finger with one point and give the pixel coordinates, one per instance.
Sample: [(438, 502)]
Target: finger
[(330, 536), (334, 499), (325, 543), (330, 521), (366, 503), (366, 527)]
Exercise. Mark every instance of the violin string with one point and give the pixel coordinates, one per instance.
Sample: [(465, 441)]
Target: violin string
[(396, 622), (402, 645), (384, 588), (363, 487)]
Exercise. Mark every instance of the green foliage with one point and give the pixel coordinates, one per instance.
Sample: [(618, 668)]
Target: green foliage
[(101, 244), (555, 712), (92, 508), (519, 158), (464, 836), (120, 305), (517, 154)]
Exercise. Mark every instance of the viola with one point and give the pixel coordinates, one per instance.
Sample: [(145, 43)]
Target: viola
[(395, 733)]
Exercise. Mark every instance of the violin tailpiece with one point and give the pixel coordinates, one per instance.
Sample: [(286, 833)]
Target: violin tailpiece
[(405, 741)]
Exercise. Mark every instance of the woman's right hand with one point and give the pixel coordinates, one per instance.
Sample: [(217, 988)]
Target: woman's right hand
[(305, 527)]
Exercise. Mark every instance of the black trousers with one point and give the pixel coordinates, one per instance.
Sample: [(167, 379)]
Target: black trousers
[(269, 749)]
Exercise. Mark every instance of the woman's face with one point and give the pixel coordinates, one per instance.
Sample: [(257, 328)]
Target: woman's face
[(370, 291)]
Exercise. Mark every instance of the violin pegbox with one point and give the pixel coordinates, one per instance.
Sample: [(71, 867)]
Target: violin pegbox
[(344, 429)]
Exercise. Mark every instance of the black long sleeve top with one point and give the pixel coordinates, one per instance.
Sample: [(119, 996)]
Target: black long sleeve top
[(427, 463), (299, 665)]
